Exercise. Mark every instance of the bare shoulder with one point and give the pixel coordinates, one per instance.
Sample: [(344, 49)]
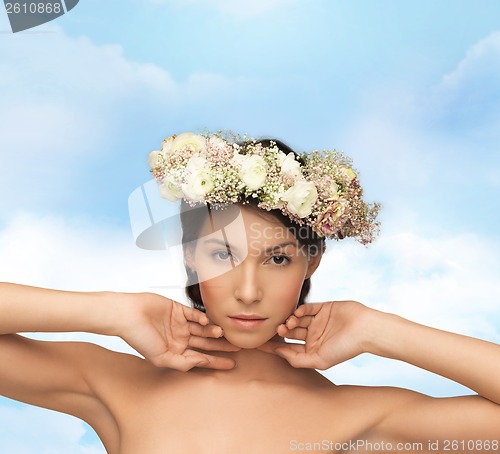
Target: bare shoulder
[(380, 398), (363, 407), (399, 414), (69, 377), (58, 375), (115, 377)]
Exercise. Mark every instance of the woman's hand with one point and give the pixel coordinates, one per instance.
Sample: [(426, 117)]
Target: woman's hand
[(164, 332), (333, 333)]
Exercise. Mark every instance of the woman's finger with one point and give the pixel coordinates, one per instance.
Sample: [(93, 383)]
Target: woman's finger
[(221, 345), (296, 356), (177, 361), (271, 345), (205, 331), (308, 309), (190, 359), (296, 333), (216, 362), (194, 315), (296, 322), (290, 351)]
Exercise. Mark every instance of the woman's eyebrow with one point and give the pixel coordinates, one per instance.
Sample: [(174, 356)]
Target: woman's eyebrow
[(280, 245), (233, 248), (221, 243)]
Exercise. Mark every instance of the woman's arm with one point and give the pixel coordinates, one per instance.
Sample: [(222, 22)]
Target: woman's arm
[(472, 362), (65, 376), (337, 331), (160, 329), (31, 309), (463, 424), (53, 375)]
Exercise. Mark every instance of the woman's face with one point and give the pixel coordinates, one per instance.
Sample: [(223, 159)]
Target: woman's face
[(250, 273)]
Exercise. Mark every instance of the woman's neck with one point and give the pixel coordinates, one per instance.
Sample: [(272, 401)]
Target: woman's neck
[(254, 365)]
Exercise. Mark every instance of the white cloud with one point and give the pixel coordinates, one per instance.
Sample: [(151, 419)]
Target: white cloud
[(447, 280), (481, 64), (468, 97), (76, 73), (405, 130), (56, 66), (63, 99), (431, 152), (31, 430), (79, 254), (55, 111), (58, 103)]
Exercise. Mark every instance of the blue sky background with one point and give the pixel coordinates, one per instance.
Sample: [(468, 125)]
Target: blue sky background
[(410, 90)]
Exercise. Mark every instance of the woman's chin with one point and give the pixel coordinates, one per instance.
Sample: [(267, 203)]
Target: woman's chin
[(247, 340)]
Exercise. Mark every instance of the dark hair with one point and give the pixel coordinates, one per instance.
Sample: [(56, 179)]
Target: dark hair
[(193, 219)]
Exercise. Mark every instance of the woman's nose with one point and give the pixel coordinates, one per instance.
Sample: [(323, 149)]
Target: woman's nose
[(247, 285)]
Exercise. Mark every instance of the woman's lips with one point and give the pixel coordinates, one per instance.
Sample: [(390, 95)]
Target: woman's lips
[(247, 321)]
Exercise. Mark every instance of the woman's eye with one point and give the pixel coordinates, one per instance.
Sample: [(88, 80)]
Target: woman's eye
[(280, 260), (222, 255)]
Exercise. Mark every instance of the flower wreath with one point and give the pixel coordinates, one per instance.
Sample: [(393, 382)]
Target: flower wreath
[(323, 193)]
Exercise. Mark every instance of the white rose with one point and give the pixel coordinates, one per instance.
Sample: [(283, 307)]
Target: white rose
[(301, 197), (190, 141), (170, 190), (196, 164), (217, 142), (290, 166), (153, 158), (281, 157), (198, 185), (253, 171)]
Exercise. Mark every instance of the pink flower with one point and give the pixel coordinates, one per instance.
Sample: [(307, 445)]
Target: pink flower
[(327, 222)]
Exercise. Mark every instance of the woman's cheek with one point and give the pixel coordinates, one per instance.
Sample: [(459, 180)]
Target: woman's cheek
[(289, 290), (210, 294)]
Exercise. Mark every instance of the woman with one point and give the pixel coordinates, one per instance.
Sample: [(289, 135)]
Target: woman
[(220, 377)]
